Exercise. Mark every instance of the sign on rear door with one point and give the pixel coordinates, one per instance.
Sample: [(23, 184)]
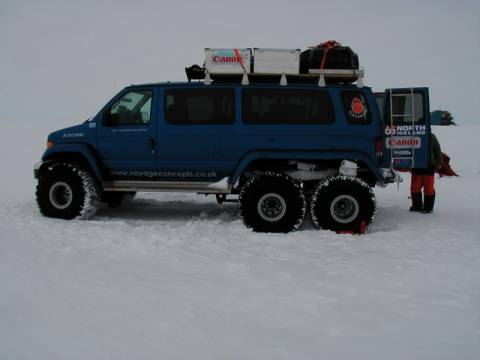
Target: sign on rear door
[(406, 128)]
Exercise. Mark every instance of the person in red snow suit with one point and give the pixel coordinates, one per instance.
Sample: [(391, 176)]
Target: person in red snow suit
[(425, 179)]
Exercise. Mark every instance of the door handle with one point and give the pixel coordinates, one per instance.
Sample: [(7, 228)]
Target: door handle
[(151, 142)]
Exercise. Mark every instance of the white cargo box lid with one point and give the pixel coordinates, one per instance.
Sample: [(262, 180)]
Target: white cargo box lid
[(228, 61), (276, 61)]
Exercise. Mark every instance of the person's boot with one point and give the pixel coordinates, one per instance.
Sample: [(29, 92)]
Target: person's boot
[(428, 205), (417, 203)]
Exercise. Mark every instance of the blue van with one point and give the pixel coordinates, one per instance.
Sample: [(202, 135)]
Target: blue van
[(277, 149)]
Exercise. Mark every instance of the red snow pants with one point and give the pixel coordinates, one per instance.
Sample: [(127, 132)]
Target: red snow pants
[(427, 182)]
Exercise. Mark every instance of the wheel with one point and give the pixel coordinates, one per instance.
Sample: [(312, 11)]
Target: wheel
[(343, 204), (117, 198), (67, 191), (272, 202)]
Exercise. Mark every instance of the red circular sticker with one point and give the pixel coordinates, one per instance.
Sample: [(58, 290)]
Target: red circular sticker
[(357, 106)]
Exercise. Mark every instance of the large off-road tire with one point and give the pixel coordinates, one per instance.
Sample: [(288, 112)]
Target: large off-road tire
[(117, 198), (272, 202), (343, 204), (67, 191)]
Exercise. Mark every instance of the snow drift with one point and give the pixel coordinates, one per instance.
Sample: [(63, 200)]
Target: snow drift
[(176, 276)]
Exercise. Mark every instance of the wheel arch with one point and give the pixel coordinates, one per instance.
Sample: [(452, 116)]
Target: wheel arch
[(362, 159), (78, 154)]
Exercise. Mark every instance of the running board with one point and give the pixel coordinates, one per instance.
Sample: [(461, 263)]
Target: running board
[(220, 187)]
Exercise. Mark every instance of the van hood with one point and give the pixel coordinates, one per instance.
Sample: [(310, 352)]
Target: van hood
[(72, 134)]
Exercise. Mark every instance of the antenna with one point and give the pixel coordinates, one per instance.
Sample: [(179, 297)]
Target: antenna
[(283, 80)]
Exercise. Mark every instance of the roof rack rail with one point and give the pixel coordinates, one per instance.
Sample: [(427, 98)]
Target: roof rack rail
[(321, 77), (338, 75)]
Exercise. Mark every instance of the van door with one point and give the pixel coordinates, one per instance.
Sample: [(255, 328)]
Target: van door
[(406, 117), (194, 134), (127, 135)]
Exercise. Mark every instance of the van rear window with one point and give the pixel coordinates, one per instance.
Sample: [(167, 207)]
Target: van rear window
[(287, 106), (200, 106), (402, 109)]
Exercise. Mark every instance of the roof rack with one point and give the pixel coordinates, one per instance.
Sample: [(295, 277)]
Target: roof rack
[(247, 65), (321, 77)]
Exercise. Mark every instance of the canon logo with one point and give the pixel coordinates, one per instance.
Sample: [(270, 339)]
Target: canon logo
[(398, 142), (225, 59)]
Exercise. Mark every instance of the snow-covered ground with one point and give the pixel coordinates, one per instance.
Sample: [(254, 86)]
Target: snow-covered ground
[(176, 276)]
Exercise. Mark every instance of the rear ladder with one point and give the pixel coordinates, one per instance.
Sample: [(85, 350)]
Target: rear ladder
[(411, 116)]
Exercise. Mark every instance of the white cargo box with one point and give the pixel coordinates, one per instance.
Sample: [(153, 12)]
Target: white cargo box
[(276, 61), (228, 61)]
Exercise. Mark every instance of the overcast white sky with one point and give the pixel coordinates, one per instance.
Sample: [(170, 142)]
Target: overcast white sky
[(62, 60)]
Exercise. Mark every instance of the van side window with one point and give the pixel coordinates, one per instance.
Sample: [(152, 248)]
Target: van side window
[(133, 108), (200, 106), (287, 106), (355, 105)]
